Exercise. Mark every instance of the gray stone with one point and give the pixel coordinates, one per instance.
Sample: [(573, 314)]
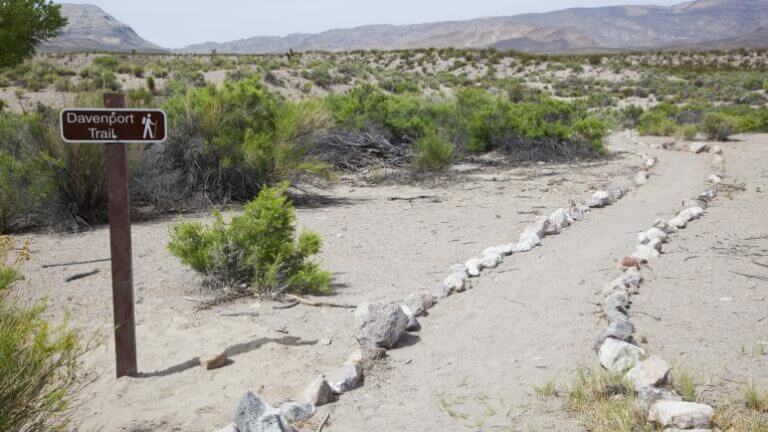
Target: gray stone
[(617, 193), (293, 412), (632, 278), (380, 325), (652, 372), (684, 415), (698, 147), (318, 392), (253, 415), (650, 395), (620, 329), (617, 301), (594, 203), (345, 378), (420, 302), (618, 356)]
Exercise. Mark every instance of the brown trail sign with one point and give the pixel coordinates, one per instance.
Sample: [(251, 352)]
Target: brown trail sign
[(115, 126)]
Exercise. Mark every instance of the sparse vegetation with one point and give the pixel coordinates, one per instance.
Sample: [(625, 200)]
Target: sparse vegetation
[(38, 360), (605, 403)]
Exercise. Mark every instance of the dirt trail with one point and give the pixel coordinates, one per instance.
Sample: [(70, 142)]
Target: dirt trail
[(528, 321)]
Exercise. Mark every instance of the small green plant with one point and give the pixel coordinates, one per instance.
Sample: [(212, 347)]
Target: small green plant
[(718, 126), (38, 360), (605, 403), (546, 390), (684, 382), (432, 153), (258, 248), (755, 399)]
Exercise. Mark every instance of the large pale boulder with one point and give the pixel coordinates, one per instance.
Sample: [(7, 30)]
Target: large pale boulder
[(678, 222), (651, 372), (617, 356), (455, 283), (474, 266), (560, 218), (684, 415), (491, 261), (652, 234), (379, 325)]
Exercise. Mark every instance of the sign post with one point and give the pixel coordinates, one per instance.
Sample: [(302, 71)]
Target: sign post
[(114, 126)]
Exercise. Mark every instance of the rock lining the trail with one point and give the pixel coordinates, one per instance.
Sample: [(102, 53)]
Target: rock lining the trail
[(380, 327), (616, 348)]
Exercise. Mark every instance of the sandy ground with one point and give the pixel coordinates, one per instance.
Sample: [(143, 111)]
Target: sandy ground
[(478, 354), (379, 249)]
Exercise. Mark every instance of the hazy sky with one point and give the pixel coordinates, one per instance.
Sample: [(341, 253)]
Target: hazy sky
[(177, 23)]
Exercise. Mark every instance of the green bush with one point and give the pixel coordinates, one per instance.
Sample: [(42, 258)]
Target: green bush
[(38, 360), (258, 248), (432, 153), (718, 126)]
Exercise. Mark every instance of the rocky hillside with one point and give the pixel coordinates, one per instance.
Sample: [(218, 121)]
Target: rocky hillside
[(576, 29), (92, 29)]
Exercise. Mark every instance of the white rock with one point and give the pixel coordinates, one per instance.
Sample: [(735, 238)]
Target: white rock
[(645, 253), (684, 415), (618, 356), (716, 149), (655, 244), (651, 234), (650, 395), (632, 278), (559, 218), (539, 228), (652, 372), (642, 177), (650, 162), (664, 226), (602, 196), (455, 283), (698, 147), (523, 246), (686, 215), (696, 212), (507, 249), (530, 237), (678, 222), (492, 261), (345, 378), (714, 179), (474, 266), (495, 250)]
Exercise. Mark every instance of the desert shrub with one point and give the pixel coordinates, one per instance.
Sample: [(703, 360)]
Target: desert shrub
[(226, 144), (56, 185), (151, 86), (139, 98), (98, 78), (432, 153), (259, 248), (38, 360), (107, 62), (718, 126)]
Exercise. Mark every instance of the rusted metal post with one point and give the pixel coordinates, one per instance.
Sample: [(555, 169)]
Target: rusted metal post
[(120, 245)]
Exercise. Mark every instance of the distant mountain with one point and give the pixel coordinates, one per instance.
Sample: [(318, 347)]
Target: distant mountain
[(700, 24), (92, 29), (576, 29)]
